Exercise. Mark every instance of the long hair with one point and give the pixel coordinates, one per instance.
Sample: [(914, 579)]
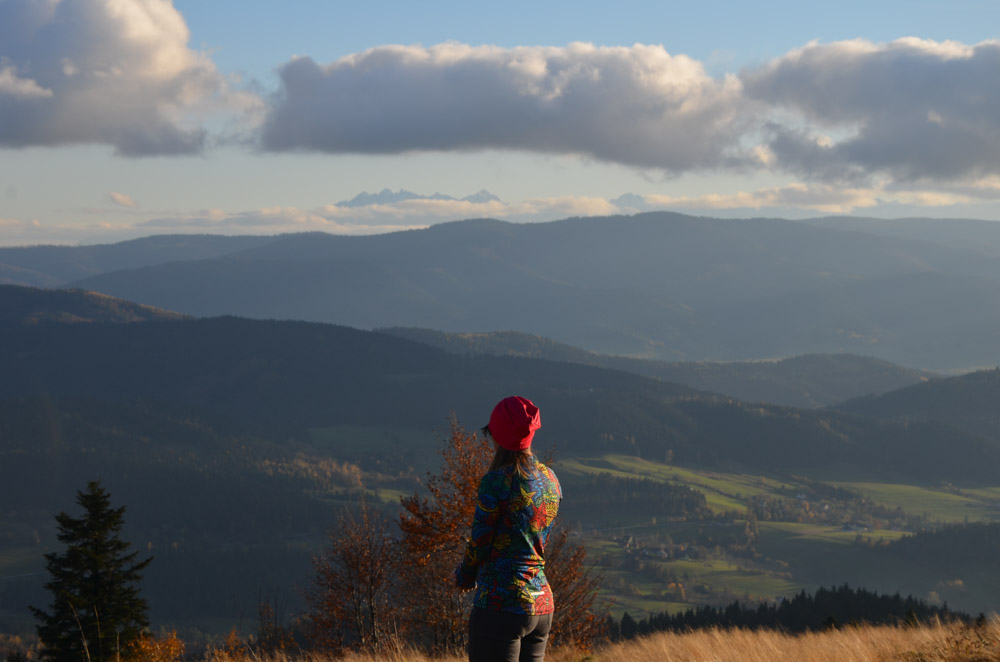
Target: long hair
[(521, 460)]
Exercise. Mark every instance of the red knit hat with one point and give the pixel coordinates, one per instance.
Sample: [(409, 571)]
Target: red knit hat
[(513, 423)]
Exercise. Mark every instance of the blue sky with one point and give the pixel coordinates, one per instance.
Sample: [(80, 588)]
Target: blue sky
[(124, 118)]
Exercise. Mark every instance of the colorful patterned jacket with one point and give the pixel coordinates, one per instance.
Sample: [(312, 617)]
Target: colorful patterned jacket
[(505, 556)]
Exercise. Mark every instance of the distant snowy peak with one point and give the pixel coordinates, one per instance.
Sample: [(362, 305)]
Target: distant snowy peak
[(383, 197), (482, 197), (388, 197)]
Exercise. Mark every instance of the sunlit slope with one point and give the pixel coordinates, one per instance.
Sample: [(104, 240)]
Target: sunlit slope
[(30, 306)]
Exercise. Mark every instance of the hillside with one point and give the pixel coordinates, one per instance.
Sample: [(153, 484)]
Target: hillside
[(812, 380), (294, 376), (967, 401), (226, 511), (297, 375), (54, 266), (28, 306), (980, 237)]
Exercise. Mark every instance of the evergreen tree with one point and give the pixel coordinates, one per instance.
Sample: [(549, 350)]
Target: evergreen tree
[(96, 608)]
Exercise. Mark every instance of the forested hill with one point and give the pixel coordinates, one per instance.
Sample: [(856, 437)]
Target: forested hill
[(968, 401), (980, 237), (657, 285), (286, 377), (812, 380), (25, 305)]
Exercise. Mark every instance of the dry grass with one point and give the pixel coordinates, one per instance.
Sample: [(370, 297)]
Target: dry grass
[(949, 643), (865, 644)]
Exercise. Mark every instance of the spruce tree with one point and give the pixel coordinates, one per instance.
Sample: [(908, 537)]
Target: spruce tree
[(96, 608)]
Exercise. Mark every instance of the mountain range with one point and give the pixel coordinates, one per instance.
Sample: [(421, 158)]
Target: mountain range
[(387, 197), (920, 293)]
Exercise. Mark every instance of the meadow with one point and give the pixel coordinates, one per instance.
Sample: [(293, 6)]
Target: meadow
[(787, 556), (929, 643)]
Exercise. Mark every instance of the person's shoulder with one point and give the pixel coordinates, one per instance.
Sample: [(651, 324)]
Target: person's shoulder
[(546, 471)]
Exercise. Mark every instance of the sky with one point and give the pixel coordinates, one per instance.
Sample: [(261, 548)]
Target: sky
[(128, 118)]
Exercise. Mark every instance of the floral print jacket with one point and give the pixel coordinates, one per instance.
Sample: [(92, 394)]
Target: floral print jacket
[(505, 556)]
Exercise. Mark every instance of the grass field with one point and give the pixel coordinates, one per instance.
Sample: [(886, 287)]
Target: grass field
[(929, 643), (724, 492), (934, 503), (729, 492), (790, 556)]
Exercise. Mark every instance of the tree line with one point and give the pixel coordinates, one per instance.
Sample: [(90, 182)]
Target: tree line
[(828, 607)]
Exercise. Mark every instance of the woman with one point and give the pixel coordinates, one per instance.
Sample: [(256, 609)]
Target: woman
[(505, 557)]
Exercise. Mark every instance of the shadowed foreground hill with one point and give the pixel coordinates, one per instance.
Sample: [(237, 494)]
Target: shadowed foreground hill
[(292, 376)]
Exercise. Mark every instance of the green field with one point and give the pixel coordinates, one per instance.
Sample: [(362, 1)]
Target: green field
[(703, 582), (788, 557), (935, 503), (724, 492), (728, 492)]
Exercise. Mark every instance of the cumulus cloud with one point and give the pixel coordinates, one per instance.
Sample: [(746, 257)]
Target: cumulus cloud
[(911, 109), (122, 200), (639, 105), (115, 72)]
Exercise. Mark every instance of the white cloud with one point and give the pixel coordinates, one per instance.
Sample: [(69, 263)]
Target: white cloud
[(274, 220), (914, 110), (122, 200), (378, 218), (562, 207), (115, 72), (910, 110), (639, 105), (819, 198)]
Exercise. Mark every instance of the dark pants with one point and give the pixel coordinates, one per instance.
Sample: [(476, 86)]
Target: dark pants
[(499, 636)]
